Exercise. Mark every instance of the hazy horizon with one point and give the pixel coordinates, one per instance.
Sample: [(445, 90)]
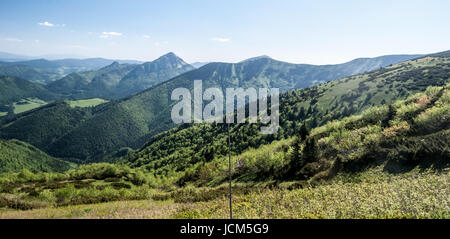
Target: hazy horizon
[(52, 57)]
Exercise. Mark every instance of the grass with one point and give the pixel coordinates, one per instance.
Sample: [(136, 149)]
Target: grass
[(371, 194), (87, 102), (27, 104), (122, 209)]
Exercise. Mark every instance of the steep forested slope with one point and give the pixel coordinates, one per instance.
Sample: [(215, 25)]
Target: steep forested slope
[(100, 83), (186, 145), (132, 121), (16, 156), (399, 137), (13, 89), (120, 80), (43, 126)]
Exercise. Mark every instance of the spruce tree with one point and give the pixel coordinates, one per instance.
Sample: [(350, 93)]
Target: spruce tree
[(310, 152), (304, 132)]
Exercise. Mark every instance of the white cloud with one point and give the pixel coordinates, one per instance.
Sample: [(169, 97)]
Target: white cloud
[(220, 39), (145, 36), (110, 34), (13, 40), (49, 24), (46, 24)]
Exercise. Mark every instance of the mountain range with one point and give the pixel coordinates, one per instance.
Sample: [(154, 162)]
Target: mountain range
[(186, 148), (133, 120), (45, 71), (113, 81), (120, 80)]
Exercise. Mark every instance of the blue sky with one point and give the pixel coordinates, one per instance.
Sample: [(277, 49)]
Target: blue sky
[(317, 32)]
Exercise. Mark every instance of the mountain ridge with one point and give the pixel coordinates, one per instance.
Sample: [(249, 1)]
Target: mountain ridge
[(132, 121), (117, 80)]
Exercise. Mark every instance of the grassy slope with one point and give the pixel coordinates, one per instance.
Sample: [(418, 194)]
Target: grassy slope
[(87, 102), (405, 176), (372, 194), (174, 152), (16, 155), (417, 136), (405, 184), (399, 185), (27, 104)]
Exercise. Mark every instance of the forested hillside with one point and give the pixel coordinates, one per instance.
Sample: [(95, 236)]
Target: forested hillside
[(43, 126), (133, 121), (181, 147), (99, 83), (392, 158), (16, 156), (365, 137), (13, 89), (400, 136), (34, 75), (117, 81)]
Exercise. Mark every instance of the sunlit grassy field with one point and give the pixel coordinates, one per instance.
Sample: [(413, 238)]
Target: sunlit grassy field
[(87, 102), (371, 194), (27, 104)]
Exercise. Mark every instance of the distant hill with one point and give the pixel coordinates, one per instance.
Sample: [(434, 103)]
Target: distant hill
[(99, 83), (92, 63), (132, 121), (152, 73), (120, 80), (43, 126), (45, 71), (13, 89), (367, 64), (16, 155), (29, 73)]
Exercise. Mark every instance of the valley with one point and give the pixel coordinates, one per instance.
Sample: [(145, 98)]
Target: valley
[(139, 117), (363, 142)]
